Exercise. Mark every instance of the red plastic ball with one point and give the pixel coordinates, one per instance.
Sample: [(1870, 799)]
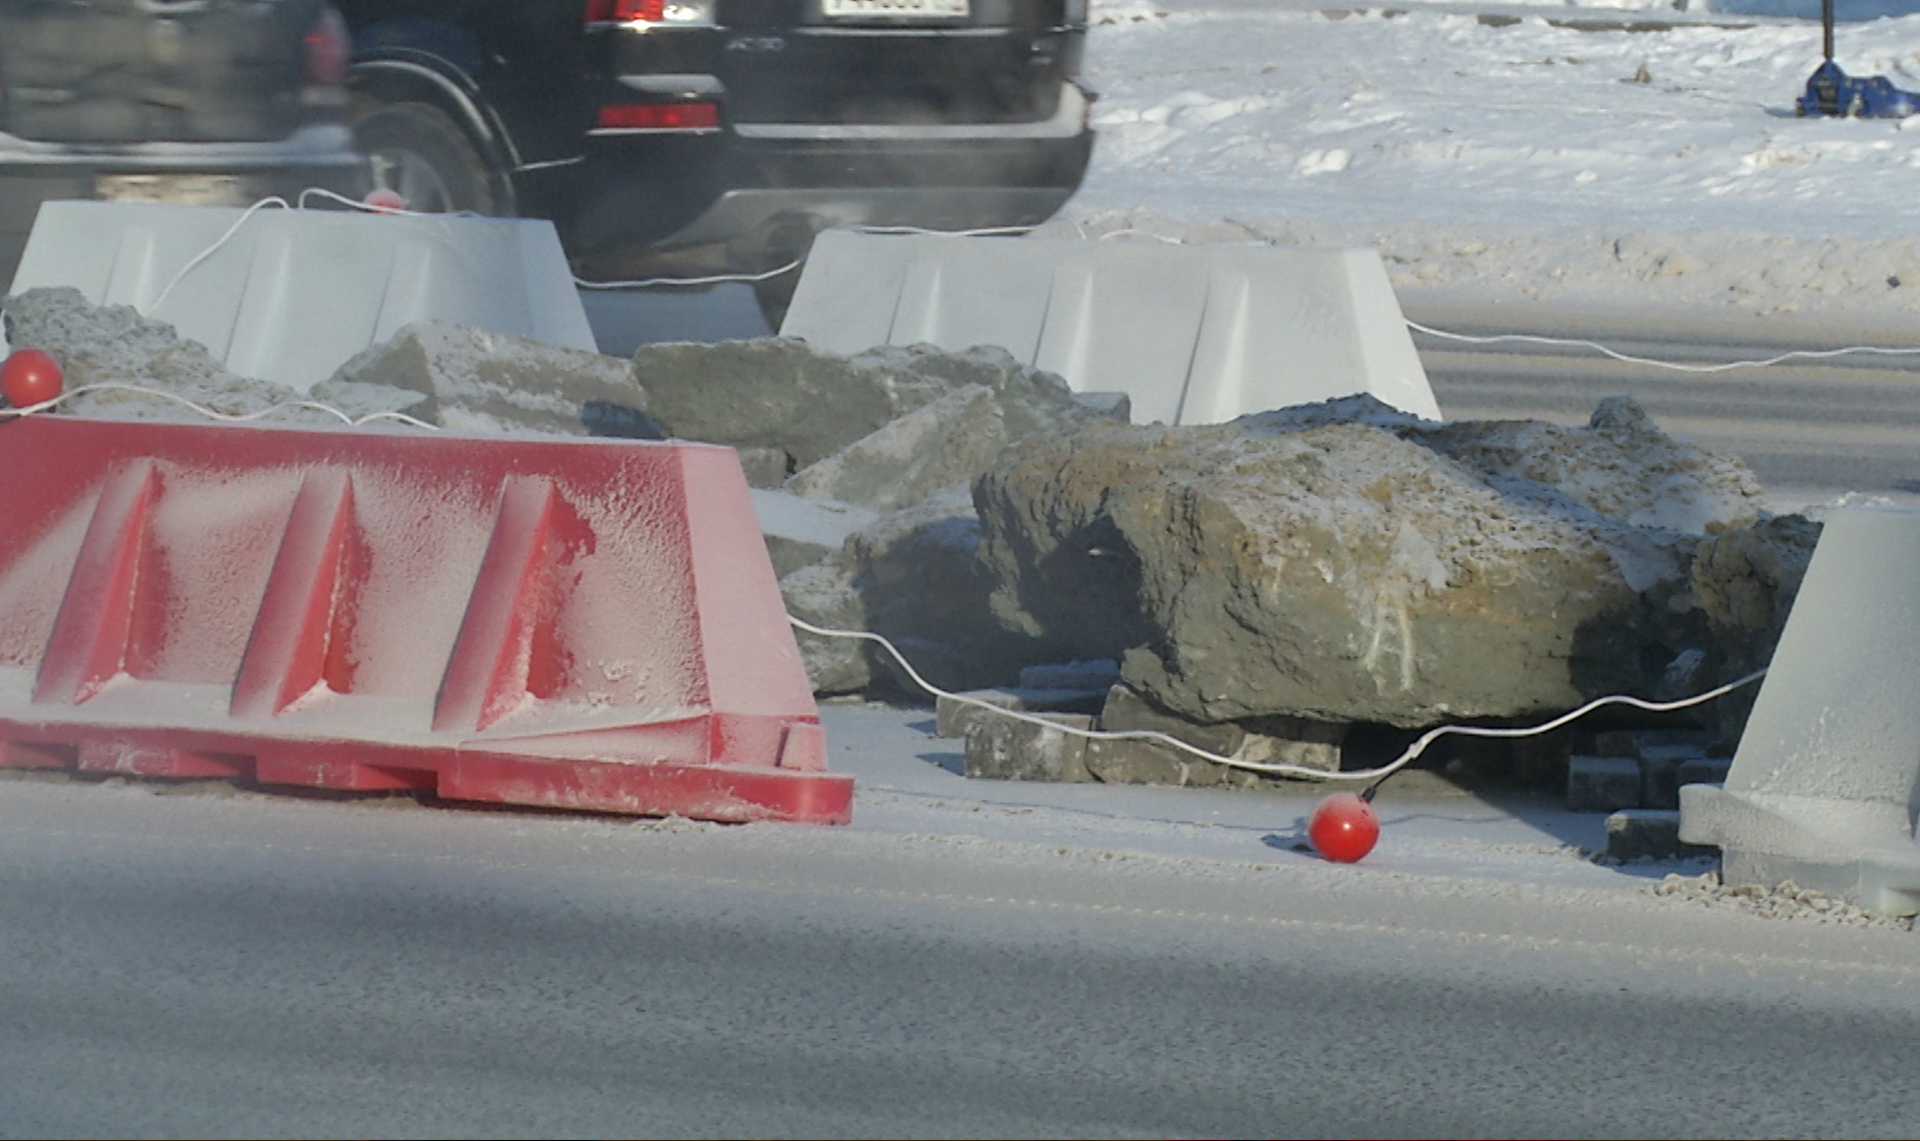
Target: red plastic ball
[(30, 377), (1343, 828), (385, 200)]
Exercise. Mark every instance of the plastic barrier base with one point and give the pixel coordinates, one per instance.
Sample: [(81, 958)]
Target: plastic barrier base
[(291, 295), (1192, 334), (575, 624), (1826, 783)]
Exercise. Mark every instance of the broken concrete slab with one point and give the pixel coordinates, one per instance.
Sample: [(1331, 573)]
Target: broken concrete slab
[(1000, 748), (1744, 582), (1267, 740), (1100, 674), (1602, 784), (800, 532), (953, 714), (1649, 834), (1348, 563), (1660, 773), (780, 393), (774, 393), (913, 577), (949, 441), (476, 381), (114, 344)]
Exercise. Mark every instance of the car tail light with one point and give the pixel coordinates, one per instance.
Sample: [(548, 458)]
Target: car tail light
[(660, 117), (666, 13), (328, 48)]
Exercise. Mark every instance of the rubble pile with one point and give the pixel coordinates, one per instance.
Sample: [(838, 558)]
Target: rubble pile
[(1259, 586)]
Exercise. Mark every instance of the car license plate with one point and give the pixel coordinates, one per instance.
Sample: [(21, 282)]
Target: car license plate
[(895, 9), (178, 189)]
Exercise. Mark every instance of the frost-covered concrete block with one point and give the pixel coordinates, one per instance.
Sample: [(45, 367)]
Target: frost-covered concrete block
[(952, 716), (1000, 748), (1100, 674), (949, 441), (1649, 833), (1602, 784), (1660, 773)]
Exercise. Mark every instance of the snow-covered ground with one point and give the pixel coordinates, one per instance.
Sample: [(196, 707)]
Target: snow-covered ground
[(1498, 151)]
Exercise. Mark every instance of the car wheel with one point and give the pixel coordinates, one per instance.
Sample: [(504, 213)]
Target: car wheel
[(419, 153)]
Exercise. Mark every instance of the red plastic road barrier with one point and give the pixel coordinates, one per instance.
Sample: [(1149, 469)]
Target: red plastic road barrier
[(583, 623)]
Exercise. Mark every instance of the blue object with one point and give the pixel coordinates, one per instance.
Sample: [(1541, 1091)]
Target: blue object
[(1831, 91)]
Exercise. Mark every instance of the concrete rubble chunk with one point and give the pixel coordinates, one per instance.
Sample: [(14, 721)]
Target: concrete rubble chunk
[(1267, 740), (1127, 761), (1099, 674), (1660, 774), (114, 344), (1649, 834), (1346, 562), (999, 748), (800, 532), (779, 393), (1602, 784), (476, 381), (953, 714), (910, 576), (947, 442), (773, 393), (1744, 582)]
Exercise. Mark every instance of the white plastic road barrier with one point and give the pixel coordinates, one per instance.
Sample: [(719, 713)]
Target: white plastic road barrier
[(1825, 785), (1193, 334), (292, 294)]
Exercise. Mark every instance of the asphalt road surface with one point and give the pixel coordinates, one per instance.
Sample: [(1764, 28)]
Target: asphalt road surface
[(245, 965), (1812, 429)]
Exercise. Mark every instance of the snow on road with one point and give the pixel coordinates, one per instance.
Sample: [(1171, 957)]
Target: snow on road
[(1499, 152)]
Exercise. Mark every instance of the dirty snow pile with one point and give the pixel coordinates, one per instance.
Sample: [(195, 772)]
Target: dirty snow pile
[(1500, 152)]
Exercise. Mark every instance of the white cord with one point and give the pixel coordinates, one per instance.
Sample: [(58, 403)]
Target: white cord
[(1677, 366), (203, 255), (215, 414), (715, 279), (1406, 758)]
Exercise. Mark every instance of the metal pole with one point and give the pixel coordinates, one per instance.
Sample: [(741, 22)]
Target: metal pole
[(1826, 28)]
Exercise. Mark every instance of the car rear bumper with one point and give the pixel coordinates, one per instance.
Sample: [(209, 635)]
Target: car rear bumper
[(750, 197)]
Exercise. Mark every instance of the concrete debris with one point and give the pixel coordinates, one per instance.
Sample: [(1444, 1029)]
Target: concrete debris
[(1781, 901), (1649, 834), (947, 442), (476, 381), (913, 577), (1257, 589), (999, 748), (1602, 784), (1744, 581), (114, 344), (953, 714), (800, 532), (779, 393), (1101, 674), (1345, 562)]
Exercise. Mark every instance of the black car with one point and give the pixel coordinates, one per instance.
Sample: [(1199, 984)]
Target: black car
[(208, 102), (701, 135)]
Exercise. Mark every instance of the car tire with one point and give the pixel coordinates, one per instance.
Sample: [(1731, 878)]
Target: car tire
[(419, 153)]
